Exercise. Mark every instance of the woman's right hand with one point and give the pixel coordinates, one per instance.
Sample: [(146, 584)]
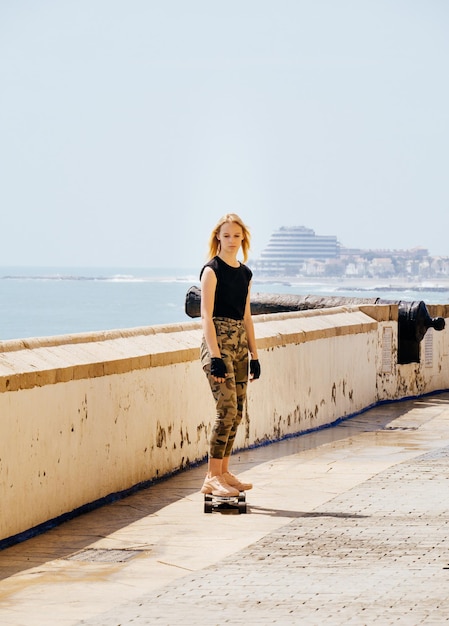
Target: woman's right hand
[(218, 369)]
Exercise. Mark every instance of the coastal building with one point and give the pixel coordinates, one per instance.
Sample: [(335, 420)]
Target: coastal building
[(298, 251), (290, 248)]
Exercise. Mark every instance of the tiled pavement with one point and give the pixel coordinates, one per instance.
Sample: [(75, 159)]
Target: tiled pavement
[(349, 525)]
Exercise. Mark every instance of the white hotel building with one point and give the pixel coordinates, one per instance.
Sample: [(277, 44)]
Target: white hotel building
[(289, 248)]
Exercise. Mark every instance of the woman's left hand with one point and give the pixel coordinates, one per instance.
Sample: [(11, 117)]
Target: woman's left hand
[(254, 369)]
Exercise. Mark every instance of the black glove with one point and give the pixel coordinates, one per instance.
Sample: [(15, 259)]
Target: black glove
[(254, 369), (217, 367)]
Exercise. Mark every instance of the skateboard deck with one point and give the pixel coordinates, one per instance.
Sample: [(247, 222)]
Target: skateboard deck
[(225, 503)]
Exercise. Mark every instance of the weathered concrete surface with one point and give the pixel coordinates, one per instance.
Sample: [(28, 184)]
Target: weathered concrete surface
[(346, 525), (85, 419)]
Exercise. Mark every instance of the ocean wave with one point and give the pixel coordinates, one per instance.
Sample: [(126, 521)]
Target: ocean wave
[(117, 278)]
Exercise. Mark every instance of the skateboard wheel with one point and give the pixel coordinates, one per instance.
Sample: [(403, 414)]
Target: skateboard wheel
[(242, 507), (208, 506)]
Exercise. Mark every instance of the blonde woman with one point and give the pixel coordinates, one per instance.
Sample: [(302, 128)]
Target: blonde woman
[(228, 349)]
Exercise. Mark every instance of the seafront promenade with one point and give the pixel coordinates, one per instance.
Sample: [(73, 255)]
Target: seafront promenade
[(346, 525)]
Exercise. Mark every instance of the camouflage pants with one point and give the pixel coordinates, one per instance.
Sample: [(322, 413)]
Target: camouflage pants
[(229, 396)]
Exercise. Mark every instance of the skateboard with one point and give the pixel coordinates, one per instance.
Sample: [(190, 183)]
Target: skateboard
[(225, 503)]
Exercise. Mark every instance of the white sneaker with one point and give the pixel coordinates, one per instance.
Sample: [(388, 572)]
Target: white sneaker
[(217, 486), (233, 481)]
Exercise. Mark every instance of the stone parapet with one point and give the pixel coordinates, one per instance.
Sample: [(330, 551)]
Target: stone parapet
[(87, 416)]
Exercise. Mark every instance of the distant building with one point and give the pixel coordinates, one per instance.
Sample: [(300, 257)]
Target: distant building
[(290, 248), (298, 251)]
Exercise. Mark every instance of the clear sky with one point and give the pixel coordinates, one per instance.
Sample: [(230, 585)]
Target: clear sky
[(127, 128)]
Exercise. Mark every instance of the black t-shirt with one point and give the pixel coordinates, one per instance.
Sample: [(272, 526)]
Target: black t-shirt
[(232, 288)]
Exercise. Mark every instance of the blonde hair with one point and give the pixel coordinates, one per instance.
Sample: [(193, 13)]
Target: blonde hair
[(214, 244)]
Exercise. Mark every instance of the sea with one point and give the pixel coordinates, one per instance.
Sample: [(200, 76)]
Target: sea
[(49, 301)]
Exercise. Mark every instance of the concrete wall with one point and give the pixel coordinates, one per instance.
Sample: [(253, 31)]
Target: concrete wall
[(85, 416)]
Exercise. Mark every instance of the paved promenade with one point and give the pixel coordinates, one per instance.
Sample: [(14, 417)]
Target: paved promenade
[(349, 525)]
